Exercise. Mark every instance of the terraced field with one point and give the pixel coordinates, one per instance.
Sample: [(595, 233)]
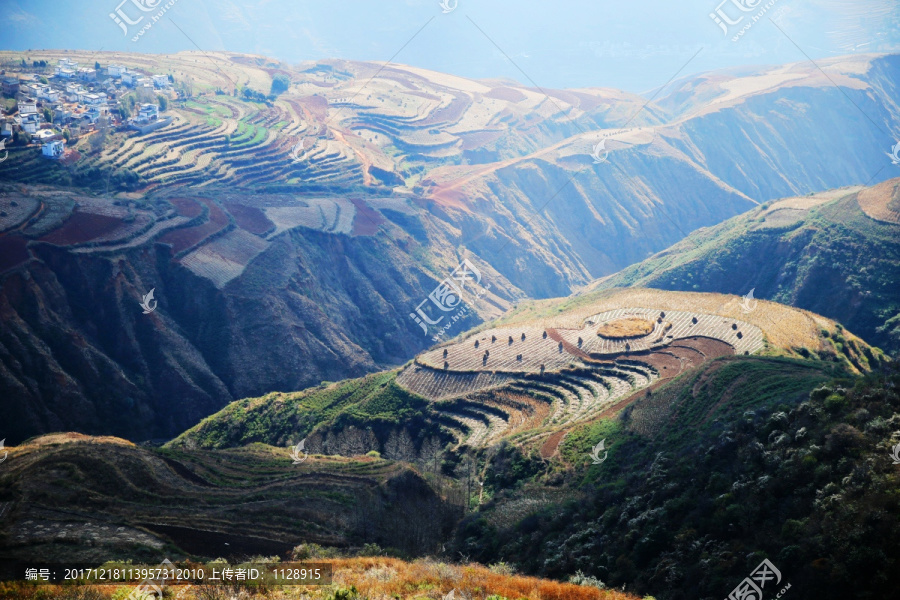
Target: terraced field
[(354, 128), (529, 380), (215, 236), (135, 502)]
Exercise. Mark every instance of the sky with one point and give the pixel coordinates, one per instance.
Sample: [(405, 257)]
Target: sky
[(635, 45)]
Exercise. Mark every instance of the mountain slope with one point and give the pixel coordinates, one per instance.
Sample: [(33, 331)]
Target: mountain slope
[(742, 460), (99, 498), (529, 378), (276, 269), (823, 253)]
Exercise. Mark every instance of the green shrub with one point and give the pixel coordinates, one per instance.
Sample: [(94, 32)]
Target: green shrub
[(502, 568), (579, 578), (371, 550), (835, 402)]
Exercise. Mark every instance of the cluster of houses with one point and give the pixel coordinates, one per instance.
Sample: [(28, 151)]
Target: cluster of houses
[(78, 97)]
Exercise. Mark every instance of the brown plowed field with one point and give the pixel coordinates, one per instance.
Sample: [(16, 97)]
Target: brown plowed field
[(182, 239), (548, 450), (250, 218), (367, 220), (711, 348), (186, 207), (83, 227)]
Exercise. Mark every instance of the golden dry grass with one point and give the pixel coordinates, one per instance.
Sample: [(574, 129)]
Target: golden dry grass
[(375, 578), (629, 327), (880, 201), (393, 578)]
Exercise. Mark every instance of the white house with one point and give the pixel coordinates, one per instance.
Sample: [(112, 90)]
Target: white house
[(95, 112), (6, 128), (30, 123), (93, 99), (161, 81), (148, 112), (28, 107), (74, 91), (54, 149), (115, 70), (28, 90), (66, 68), (87, 74), (45, 92), (128, 77)]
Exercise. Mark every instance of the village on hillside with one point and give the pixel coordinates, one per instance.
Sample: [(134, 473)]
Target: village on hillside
[(51, 105)]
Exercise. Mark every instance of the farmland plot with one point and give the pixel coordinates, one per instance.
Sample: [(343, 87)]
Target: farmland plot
[(226, 257)]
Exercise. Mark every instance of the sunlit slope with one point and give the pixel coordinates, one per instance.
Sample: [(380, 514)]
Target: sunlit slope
[(530, 377), (835, 253)]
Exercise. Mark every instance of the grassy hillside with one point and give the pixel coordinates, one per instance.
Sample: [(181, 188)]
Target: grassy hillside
[(820, 253), (739, 460), (71, 497), (374, 401), (533, 383)]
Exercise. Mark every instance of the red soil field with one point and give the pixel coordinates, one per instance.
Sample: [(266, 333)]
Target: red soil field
[(366, 220), (186, 207), (13, 251), (573, 350), (451, 113), (478, 139), (711, 348), (552, 444), (182, 239), (505, 93), (82, 227), (249, 218), (316, 105)]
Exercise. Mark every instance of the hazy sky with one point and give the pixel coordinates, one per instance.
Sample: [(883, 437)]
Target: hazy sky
[(634, 45)]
